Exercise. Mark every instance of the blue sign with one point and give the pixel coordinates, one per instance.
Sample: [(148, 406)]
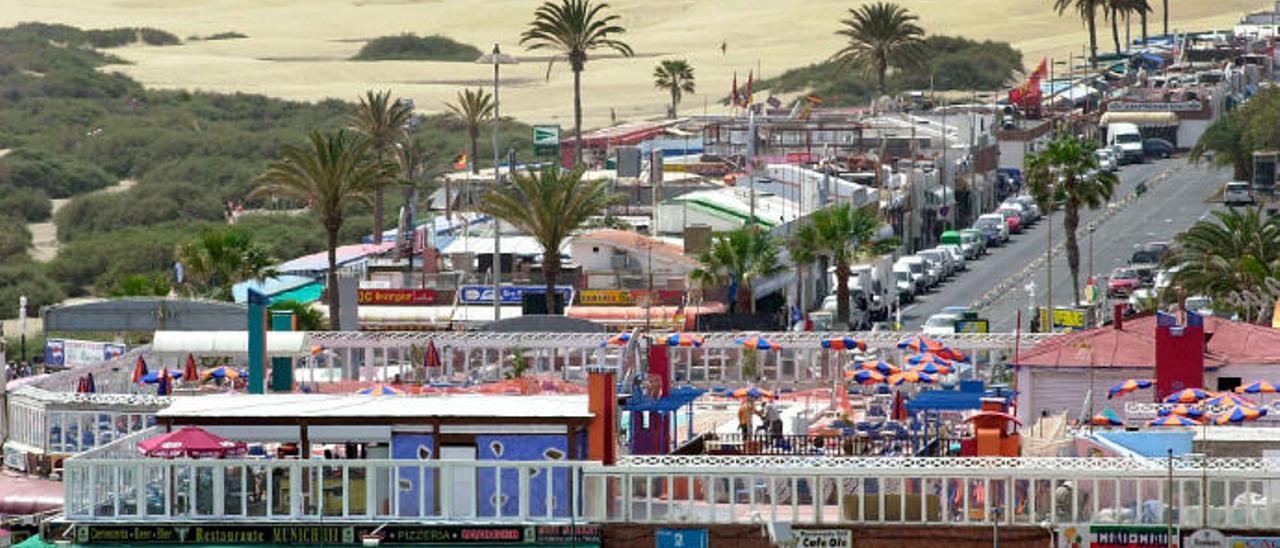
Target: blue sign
[(511, 294), (682, 538)]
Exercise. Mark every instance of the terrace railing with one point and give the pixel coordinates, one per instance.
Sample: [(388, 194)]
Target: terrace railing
[(809, 445)]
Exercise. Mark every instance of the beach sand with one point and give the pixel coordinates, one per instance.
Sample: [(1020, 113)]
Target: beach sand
[(298, 49)]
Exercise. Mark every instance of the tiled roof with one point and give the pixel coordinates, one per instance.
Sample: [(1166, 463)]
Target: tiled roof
[(1133, 345)]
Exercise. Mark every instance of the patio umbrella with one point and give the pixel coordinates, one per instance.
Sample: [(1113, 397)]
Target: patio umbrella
[(1241, 414), (682, 339), (758, 343), (1183, 410), (911, 377), (380, 390), (81, 386), (431, 356), (164, 383), (1107, 417), (932, 369), (1259, 387), (1127, 387), (880, 366), (1174, 420), (1188, 395), (190, 441), (155, 376), (928, 357), (865, 376), (921, 343), (189, 369), (621, 339), (844, 343), (222, 372), (1228, 398), (139, 369), (90, 387), (751, 392)]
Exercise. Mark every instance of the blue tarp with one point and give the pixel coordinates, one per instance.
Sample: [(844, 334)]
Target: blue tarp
[(1151, 444), (945, 400)]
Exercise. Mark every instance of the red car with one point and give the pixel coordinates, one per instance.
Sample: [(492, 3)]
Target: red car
[(1012, 218), (1123, 281)]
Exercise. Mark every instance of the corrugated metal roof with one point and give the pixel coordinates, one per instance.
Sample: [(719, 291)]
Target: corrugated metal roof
[(319, 406)]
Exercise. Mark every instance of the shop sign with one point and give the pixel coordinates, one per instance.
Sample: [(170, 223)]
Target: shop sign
[(399, 297), (510, 294), (568, 534), (73, 353), (546, 140), (1130, 106), (682, 538), (1130, 536), (1206, 538), (823, 538), (318, 535), (1065, 317), (627, 297), (1255, 542), (973, 326)]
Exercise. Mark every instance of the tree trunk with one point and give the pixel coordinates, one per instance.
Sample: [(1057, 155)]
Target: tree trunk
[(448, 199), (475, 151), (1144, 27), (334, 302), (675, 102), (1092, 23), (1165, 12), (1115, 28), (881, 68), (842, 293), (1240, 166), (577, 117), (551, 273), (1071, 221), (377, 215)]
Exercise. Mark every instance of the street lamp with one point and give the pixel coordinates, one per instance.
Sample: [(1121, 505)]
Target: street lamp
[(22, 324), (496, 58)]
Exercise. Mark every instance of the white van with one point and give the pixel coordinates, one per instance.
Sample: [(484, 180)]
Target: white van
[(1128, 139)]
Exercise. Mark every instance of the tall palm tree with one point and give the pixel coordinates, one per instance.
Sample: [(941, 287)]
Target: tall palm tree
[(1227, 142), (473, 107), (1143, 7), (1230, 258), (736, 259), (549, 204), (1165, 12), (845, 235), (221, 257), (384, 121), (335, 170), (676, 77), (878, 35), (1066, 174), (1115, 9), (574, 29), (1088, 11)]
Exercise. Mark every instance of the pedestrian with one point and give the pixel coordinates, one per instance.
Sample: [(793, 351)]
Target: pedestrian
[(745, 410), (773, 420)]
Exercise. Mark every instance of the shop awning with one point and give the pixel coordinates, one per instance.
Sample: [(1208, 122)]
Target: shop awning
[(1141, 119), (635, 315)]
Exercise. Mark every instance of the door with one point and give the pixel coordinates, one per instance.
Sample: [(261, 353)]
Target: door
[(463, 489)]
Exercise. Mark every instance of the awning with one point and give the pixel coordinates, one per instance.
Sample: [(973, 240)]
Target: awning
[(1142, 119), (634, 315), (227, 343), (438, 315), (306, 294)]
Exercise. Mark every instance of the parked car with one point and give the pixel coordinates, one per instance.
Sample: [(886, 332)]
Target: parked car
[(1024, 213), (919, 270), (1030, 204), (1157, 148), (1152, 253), (994, 227), (1124, 280), (1199, 304), (1237, 193), (1012, 218), (943, 259), (1106, 159), (1126, 139), (940, 324), (937, 268), (858, 319), (908, 286), (972, 238), (957, 253)]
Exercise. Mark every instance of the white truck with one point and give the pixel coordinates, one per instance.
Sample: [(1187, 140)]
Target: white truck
[(872, 283), (1127, 140)]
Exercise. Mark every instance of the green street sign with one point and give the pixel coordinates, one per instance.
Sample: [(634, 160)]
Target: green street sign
[(546, 140)]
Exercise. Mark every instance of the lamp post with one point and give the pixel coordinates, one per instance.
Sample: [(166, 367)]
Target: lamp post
[(22, 324), (496, 58)]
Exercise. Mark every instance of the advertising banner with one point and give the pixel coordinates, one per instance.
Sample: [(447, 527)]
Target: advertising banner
[(74, 353), (511, 294), (402, 297)]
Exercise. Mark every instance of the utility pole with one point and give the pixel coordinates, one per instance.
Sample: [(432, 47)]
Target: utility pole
[(751, 162), (946, 168), (497, 58)]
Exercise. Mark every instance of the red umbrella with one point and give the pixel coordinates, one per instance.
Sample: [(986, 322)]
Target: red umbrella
[(139, 369), (190, 441), (431, 356), (189, 370)]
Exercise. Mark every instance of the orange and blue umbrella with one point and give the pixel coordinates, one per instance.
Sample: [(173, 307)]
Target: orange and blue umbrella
[(681, 339), (1259, 387), (751, 392), (921, 343), (880, 366), (1107, 417), (1182, 409), (1187, 395), (932, 369), (928, 357), (1128, 386), (222, 372), (1241, 414), (1227, 398), (621, 339), (380, 390), (757, 342), (1174, 420), (844, 343), (912, 377), (865, 376)]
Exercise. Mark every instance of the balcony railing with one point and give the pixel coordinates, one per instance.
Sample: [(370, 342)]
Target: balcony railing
[(865, 444)]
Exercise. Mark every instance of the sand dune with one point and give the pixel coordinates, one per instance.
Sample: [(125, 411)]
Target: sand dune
[(297, 49)]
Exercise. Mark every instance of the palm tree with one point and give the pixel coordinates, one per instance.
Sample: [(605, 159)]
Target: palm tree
[(549, 205), (1088, 10), (575, 28), (1114, 10), (335, 170), (1066, 174), (1230, 259), (384, 122), (1226, 141), (736, 258), (473, 107), (221, 257), (845, 235), (1165, 12), (1143, 7), (675, 76), (878, 35)]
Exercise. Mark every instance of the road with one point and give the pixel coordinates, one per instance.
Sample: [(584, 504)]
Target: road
[(1177, 197)]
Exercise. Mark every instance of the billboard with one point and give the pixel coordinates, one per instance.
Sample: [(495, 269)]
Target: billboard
[(402, 297), (510, 294), (74, 353)]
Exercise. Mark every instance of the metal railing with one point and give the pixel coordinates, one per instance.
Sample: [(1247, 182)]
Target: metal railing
[(867, 444)]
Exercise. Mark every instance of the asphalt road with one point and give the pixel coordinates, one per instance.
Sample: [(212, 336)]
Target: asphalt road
[(996, 284)]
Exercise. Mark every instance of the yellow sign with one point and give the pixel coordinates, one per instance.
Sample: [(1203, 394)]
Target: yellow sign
[(606, 297), (1065, 317)]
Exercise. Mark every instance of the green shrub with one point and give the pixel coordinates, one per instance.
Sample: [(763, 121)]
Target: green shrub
[(99, 262), (410, 46), (26, 277), (15, 239), (30, 204), (58, 176), (141, 206), (230, 35)]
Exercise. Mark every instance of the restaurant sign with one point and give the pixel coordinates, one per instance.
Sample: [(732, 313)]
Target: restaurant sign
[(315, 535), (1134, 106), (1131, 536), (510, 294), (627, 297), (402, 297)]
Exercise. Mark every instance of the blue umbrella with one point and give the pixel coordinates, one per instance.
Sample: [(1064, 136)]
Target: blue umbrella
[(380, 390), (154, 376)]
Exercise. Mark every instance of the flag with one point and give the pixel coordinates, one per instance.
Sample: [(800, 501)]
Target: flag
[(813, 99), (733, 100), (460, 162), (1041, 71), (746, 95)]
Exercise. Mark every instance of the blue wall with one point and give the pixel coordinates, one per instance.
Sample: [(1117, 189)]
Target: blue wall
[(1151, 444), (526, 448), (413, 447)]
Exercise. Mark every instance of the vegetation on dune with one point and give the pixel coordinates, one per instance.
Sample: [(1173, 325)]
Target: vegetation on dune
[(229, 35), (70, 36), (953, 63), (20, 276), (14, 237), (411, 47), (29, 204), (58, 176)]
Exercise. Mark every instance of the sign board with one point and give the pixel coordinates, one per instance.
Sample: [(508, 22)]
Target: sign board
[(1206, 538), (317, 534), (1066, 317), (73, 353), (567, 534), (546, 140), (401, 297), (822, 538), (1131, 106), (1255, 542), (627, 297), (1130, 536), (973, 326), (682, 538), (510, 294)]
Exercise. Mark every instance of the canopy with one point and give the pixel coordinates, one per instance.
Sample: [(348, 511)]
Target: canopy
[(1183, 410), (1107, 417), (681, 339), (1188, 395), (758, 343), (192, 442), (381, 390), (1227, 398), (1174, 420), (880, 366), (844, 343), (1141, 119), (228, 343), (1241, 414), (750, 392), (621, 339), (1127, 387), (1259, 387), (865, 376)]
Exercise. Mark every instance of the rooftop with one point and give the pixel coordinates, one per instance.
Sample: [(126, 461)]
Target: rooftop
[(1133, 345), (638, 244), (287, 407)]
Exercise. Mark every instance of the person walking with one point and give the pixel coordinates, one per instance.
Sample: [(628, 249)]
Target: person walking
[(745, 411)]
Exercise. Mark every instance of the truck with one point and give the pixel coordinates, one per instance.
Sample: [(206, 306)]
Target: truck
[(874, 282), (1127, 140)]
